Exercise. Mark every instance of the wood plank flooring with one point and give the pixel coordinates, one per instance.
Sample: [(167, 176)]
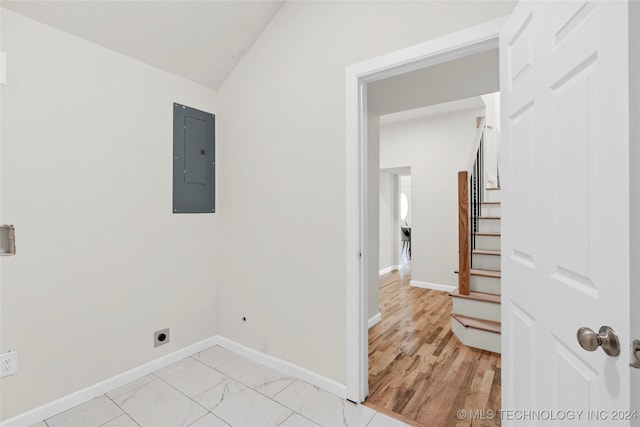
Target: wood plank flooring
[(419, 369)]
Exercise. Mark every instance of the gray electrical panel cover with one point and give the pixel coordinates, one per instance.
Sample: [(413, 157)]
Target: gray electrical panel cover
[(194, 137)]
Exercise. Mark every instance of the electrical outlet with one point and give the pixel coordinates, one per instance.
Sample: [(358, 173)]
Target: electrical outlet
[(8, 364), (160, 337)]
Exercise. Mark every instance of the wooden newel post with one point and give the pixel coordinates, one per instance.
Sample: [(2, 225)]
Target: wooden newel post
[(463, 233)]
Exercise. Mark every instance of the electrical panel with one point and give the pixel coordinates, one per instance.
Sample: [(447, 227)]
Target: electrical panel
[(194, 137)]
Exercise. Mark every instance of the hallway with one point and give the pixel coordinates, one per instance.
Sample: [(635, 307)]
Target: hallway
[(418, 368)]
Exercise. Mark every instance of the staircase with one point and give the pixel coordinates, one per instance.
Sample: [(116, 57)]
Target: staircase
[(475, 316)]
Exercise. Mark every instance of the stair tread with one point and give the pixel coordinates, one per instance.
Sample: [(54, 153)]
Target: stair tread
[(478, 296), (476, 323), (486, 273), (486, 252)]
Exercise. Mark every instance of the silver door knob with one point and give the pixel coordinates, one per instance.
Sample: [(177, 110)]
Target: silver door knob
[(606, 338)]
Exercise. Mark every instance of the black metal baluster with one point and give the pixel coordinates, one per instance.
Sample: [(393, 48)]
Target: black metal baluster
[(476, 183)]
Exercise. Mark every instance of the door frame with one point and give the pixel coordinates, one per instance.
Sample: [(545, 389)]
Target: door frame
[(452, 46), (634, 186)]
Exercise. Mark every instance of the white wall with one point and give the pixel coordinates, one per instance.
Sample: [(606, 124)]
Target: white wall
[(436, 148), (283, 115), (86, 179)]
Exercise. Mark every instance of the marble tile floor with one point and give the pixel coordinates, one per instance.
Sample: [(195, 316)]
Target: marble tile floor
[(218, 388)]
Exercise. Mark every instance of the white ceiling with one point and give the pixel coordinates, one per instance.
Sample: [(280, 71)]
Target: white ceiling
[(472, 103), (203, 40), (199, 40), (462, 78), (402, 171)]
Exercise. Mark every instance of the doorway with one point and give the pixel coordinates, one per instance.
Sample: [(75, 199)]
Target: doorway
[(413, 353), (395, 218), (449, 48), (405, 219)]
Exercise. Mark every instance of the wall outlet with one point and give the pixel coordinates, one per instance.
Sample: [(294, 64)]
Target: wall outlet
[(8, 364), (160, 337)]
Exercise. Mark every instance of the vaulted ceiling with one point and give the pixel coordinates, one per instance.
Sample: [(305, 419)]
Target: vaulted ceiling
[(203, 40), (199, 40)]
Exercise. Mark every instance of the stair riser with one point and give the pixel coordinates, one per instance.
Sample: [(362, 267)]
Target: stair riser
[(485, 262), (476, 338), (488, 242), (488, 225), (490, 210), (488, 285), (492, 196), (479, 309)]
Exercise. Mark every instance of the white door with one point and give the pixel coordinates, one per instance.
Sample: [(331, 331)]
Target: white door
[(565, 122)]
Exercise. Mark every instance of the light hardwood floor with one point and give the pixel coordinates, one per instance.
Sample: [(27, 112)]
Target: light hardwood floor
[(419, 370)]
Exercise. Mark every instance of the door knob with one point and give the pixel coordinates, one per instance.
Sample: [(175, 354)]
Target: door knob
[(636, 355), (606, 338)]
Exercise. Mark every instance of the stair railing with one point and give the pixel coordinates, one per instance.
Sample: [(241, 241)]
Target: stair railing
[(470, 195)]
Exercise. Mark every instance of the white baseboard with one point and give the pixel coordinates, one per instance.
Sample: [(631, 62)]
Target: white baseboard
[(288, 368), (74, 399), (389, 269), (375, 319), (434, 286)]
